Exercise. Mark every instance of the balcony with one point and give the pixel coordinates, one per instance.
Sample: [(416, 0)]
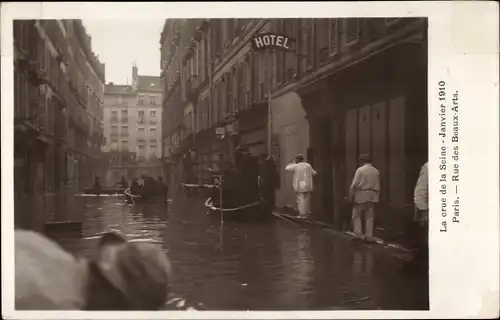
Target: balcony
[(153, 121)]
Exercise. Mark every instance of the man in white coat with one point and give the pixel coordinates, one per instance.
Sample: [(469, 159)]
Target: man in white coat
[(302, 184)]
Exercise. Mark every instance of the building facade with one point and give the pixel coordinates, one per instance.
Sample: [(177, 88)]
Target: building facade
[(350, 86), (132, 128), (58, 101)]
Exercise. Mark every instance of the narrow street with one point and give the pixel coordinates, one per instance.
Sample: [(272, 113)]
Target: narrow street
[(273, 265)]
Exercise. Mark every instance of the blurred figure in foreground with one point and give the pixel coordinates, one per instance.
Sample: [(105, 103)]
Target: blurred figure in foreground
[(302, 184), (123, 275)]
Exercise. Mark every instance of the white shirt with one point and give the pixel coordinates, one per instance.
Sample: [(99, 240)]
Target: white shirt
[(365, 186), (421, 193), (302, 176)]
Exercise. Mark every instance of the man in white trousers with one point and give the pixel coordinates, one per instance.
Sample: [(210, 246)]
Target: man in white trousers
[(364, 194), (302, 184)]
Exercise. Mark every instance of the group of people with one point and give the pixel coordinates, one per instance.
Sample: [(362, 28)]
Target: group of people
[(363, 197), (146, 187)]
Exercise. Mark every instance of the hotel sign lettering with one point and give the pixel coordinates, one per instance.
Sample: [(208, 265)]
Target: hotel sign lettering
[(272, 41)]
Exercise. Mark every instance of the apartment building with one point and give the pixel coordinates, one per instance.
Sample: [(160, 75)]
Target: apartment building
[(350, 86), (132, 127), (58, 87)]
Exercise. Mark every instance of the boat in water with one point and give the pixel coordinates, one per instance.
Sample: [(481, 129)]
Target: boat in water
[(136, 198), (253, 211), (105, 191)]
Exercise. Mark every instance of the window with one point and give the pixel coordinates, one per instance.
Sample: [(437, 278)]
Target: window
[(333, 37), (352, 30), (124, 145), (140, 130), (114, 116), (124, 131), (140, 116), (124, 116), (152, 113)]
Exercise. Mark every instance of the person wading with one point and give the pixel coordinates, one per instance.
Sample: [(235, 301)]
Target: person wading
[(364, 193), (302, 184)]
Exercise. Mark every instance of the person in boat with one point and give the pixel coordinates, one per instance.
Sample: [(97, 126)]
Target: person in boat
[(302, 184), (97, 188), (269, 180), (162, 188), (148, 190), (135, 187), (122, 275)]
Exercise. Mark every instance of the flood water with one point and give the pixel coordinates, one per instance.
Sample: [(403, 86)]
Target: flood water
[(272, 265)]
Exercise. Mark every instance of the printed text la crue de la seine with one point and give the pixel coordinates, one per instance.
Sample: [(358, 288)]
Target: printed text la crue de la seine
[(449, 164)]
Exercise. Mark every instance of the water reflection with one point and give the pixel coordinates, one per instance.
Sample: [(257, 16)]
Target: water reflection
[(258, 266)]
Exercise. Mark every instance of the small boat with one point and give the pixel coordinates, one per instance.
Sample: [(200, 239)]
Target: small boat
[(255, 210), (135, 198), (106, 190)]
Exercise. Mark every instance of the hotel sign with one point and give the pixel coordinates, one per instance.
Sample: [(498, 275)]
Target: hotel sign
[(265, 41)]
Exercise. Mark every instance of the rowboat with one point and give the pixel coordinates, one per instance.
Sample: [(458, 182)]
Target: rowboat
[(255, 210), (107, 190), (135, 198)]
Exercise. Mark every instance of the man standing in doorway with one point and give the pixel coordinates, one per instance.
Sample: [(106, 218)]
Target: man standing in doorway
[(364, 193), (302, 184)]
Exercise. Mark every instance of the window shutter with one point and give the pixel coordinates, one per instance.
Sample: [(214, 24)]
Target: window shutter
[(279, 67), (352, 30), (309, 43), (321, 38), (333, 37)]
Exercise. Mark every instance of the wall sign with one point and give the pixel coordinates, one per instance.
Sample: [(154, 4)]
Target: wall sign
[(272, 41)]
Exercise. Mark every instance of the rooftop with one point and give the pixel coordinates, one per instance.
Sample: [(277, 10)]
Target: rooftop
[(149, 83), (117, 88)]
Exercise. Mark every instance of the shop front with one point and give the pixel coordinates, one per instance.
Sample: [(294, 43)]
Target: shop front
[(378, 106)]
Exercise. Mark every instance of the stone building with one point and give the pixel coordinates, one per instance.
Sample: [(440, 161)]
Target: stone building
[(350, 86), (132, 127), (58, 87)]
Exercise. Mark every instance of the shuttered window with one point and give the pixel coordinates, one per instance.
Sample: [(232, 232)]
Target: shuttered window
[(333, 37), (248, 81), (308, 41), (352, 30), (321, 37), (291, 58), (279, 55)]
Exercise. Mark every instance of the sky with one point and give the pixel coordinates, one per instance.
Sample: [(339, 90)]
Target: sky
[(119, 43)]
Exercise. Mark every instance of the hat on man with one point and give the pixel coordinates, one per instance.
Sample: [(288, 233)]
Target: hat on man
[(365, 157), (140, 270)]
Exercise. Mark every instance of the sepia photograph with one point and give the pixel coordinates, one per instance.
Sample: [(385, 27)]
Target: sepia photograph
[(238, 164), (272, 164)]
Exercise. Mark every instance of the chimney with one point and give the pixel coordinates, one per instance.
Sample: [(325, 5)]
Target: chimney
[(134, 71)]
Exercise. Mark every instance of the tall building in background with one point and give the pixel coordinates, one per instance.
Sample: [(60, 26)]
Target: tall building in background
[(132, 127), (58, 102), (350, 86)]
